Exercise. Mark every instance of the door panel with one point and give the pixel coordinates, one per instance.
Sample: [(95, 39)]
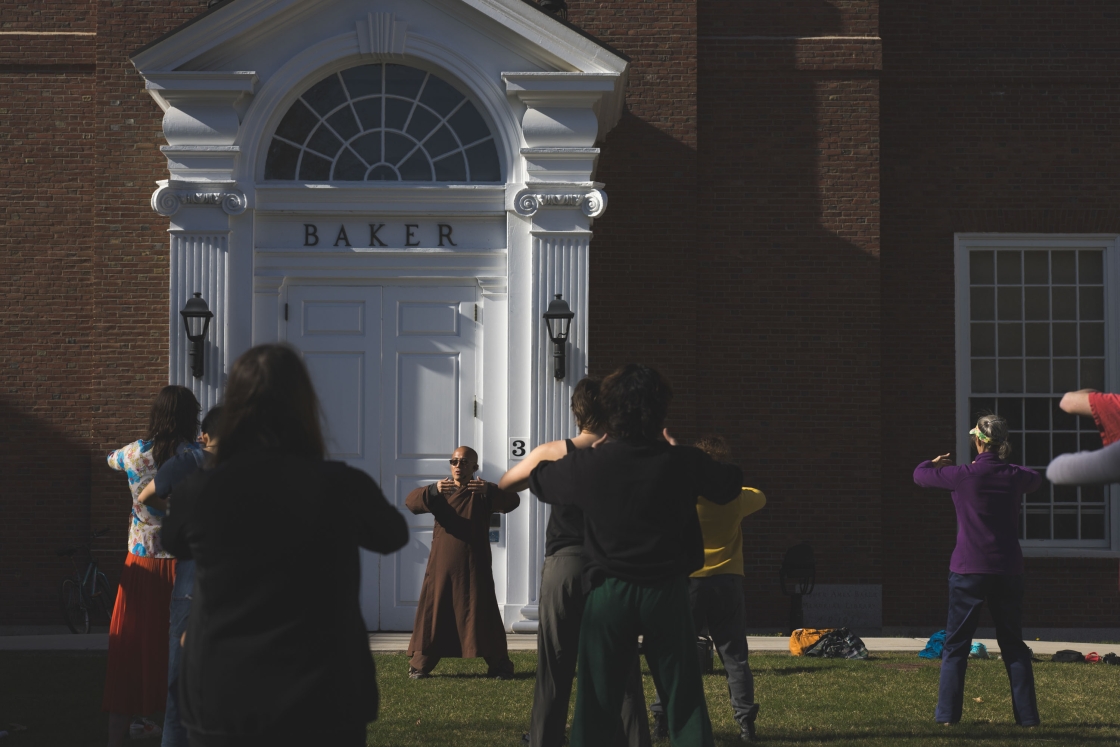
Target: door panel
[(428, 390), (394, 369), (338, 331), (428, 404)]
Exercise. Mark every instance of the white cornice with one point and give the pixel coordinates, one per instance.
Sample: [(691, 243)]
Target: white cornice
[(250, 17)]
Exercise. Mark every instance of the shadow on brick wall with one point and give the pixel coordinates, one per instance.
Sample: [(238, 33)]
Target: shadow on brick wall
[(789, 301), (44, 501)]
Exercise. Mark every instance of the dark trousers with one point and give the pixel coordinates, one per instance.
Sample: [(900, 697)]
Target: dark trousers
[(615, 614), (560, 613), (718, 606), (1004, 595), (174, 733)]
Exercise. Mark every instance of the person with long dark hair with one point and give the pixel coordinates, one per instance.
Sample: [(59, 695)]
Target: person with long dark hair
[(986, 566), (276, 651), (638, 492), (136, 677)]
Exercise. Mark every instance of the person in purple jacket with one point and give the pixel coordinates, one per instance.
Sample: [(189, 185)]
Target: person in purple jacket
[(987, 565)]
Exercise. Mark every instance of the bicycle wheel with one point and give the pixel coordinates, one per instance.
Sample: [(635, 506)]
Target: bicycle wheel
[(103, 599), (73, 609)]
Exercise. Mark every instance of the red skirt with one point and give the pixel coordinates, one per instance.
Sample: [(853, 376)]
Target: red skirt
[(136, 680)]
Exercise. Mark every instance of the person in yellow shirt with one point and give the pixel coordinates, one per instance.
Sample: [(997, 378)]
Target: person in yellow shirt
[(716, 595)]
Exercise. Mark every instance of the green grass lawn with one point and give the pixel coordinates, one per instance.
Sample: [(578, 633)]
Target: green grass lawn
[(887, 700)]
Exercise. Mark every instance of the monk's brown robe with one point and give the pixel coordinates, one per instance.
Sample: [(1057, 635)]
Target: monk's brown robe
[(457, 615)]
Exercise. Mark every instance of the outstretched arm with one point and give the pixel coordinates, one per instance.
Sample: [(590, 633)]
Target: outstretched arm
[(936, 473), (1077, 403), (517, 478), (1086, 467)]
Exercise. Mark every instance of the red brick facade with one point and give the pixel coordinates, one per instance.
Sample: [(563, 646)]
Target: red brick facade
[(794, 278)]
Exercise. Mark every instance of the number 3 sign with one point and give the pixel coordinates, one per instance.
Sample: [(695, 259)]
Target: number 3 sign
[(518, 447)]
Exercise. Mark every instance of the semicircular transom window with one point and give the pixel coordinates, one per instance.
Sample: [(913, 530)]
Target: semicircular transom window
[(383, 122)]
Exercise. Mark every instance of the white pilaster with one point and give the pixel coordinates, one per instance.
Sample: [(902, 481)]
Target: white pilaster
[(200, 263), (565, 116)]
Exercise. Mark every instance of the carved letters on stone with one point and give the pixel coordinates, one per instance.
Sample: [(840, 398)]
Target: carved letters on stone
[(170, 197), (592, 203)]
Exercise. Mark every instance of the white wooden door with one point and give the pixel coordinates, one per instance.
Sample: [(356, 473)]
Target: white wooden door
[(427, 410), (338, 331)]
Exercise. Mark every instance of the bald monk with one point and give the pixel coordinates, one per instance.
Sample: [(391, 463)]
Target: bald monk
[(457, 615)]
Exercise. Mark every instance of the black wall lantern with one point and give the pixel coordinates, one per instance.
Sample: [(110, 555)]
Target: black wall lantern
[(196, 318), (559, 320)]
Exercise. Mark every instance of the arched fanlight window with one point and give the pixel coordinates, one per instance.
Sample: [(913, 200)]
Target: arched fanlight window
[(383, 123)]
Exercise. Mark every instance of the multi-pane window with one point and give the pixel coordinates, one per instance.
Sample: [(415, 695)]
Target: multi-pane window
[(383, 122), (1035, 330)]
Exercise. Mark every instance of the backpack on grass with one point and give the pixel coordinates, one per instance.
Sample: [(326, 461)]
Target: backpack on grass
[(804, 639), (1069, 656), (839, 644)]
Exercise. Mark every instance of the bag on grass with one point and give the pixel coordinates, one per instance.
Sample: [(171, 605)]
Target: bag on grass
[(839, 644), (1111, 659), (804, 639), (934, 646), (1068, 656)]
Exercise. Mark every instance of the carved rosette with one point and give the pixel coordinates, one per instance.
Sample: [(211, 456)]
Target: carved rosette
[(591, 203), (169, 198)]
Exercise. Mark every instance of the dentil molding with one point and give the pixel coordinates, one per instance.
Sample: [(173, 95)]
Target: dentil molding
[(170, 196)]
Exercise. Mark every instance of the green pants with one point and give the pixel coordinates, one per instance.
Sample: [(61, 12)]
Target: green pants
[(615, 614)]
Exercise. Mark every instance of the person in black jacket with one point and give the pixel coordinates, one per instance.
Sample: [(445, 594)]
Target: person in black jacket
[(276, 651), (638, 494)]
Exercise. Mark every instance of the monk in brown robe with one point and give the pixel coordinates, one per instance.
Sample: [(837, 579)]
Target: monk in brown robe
[(457, 615)]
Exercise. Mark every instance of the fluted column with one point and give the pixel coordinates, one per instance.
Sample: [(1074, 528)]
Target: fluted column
[(199, 263)]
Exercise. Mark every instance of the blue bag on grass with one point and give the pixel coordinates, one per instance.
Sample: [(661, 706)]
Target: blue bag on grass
[(934, 645)]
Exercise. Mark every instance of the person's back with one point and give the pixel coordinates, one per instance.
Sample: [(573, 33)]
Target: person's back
[(987, 495), (276, 651), (640, 500), (275, 620), (721, 528)]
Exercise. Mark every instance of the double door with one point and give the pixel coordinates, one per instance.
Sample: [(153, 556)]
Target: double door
[(395, 371)]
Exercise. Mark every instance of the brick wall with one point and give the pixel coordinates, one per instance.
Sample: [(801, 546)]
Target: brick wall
[(47, 125), (643, 277), (795, 314), (994, 118), (84, 268), (788, 337)]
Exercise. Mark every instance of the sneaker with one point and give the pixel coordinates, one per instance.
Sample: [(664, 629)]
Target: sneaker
[(979, 651), (416, 674), (142, 728), (746, 732)]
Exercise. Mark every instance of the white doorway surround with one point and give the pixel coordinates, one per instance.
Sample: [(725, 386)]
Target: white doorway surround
[(398, 189)]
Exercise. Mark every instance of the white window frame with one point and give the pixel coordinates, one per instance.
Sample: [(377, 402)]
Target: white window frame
[(1110, 244)]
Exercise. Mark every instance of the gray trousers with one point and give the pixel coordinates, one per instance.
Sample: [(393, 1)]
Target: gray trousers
[(561, 611), (719, 607)]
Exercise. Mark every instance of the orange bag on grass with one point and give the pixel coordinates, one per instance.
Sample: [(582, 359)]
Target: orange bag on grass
[(804, 639)]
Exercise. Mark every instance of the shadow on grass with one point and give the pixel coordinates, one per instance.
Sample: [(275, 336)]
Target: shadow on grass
[(786, 671), (476, 676)]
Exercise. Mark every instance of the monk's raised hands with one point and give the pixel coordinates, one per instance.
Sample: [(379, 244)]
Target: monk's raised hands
[(446, 486), (477, 484)]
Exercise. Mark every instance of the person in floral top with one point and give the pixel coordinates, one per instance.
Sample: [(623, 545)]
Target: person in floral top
[(136, 676)]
